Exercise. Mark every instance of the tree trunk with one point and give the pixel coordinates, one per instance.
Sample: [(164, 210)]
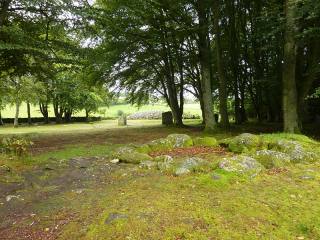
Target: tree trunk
[(1, 122), (87, 115), (290, 111), (223, 95), (29, 113), (44, 111), (16, 118), (204, 55)]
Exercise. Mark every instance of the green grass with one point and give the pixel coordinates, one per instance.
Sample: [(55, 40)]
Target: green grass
[(110, 112)]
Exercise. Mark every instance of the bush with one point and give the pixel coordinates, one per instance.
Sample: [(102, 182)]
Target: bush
[(120, 113), (17, 146)]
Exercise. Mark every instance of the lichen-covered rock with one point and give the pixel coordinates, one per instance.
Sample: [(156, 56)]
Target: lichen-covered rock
[(245, 142), (160, 144), (271, 159), (295, 150), (164, 158), (130, 155), (205, 141), (4, 169), (242, 165), (180, 140), (144, 148), (148, 164), (189, 165)]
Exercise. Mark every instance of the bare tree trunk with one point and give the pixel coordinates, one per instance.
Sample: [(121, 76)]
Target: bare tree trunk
[(29, 113), (223, 95), (204, 55), (1, 121), (290, 101), (16, 118)]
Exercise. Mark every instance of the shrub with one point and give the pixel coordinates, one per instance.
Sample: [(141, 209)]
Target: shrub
[(16, 146)]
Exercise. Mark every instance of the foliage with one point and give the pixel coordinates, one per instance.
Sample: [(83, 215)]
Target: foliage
[(16, 145)]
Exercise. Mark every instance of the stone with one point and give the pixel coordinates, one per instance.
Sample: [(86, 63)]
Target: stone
[(271, 159), (148, 164), (81, 162), (164, 158), (122, 120), (205, 141), (4, 169), (167, 118), (180, 140), (144, 148), (188, 166), (129, 155), (216, 177), (164, 162), (245, 142), (115, 216), (10, 197), (295, 150), (161, 144), (307, 177), (115, 161), (242, 165)]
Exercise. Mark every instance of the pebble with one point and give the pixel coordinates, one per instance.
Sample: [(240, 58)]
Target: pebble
[(115, 161)]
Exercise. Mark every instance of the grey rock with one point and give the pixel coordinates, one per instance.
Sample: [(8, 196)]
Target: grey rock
[(307, 177), (241, 164), (180, 140), (188, 166), (216, 177), (148, 164)]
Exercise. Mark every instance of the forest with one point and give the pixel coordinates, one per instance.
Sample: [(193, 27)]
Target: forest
[(250, 59)]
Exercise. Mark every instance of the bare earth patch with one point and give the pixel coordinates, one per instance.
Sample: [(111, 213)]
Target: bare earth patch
[(190, 151)]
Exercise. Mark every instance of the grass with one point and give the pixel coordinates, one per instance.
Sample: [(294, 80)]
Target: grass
[(106, 112), (152, 205)]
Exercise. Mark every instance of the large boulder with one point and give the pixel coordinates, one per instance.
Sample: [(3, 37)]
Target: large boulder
[(180, 140), (130, 155), (271, 159), (205, 141), (295, 150), (241, 164), (189, 165), (245, 142)]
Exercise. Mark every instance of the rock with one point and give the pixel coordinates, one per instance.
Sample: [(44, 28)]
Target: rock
[(164, 158), (164, 162), (271, 159), (129, 155), (188, 166), (115, 216), (115, 161), (146, 115), (216, 177), (205, 141), (4, 169), (122, 120), (241, 164), (307, 177), (295, 150), (148, 164), (81, 162), (245, 142), (10, 197), (161, 144), (145, 148), (167, 118), (180, 140)]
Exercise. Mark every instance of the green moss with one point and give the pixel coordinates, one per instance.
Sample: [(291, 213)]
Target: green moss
[(130, 155), (245, 143), (160, 145), (145, 148), (272, 159), (205, 141), (180, 140)]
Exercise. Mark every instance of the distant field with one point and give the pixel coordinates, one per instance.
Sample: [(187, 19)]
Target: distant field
[(110, 112)]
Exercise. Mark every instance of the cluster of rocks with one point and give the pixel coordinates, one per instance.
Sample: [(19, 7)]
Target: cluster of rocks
[(253, 154), (260, 153), (140, 154), (155, 114)]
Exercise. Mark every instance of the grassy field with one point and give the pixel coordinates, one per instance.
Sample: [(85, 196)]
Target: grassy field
[(107, 112), (55, 199)]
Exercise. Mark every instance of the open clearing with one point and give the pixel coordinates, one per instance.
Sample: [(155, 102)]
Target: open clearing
[(69, 189)]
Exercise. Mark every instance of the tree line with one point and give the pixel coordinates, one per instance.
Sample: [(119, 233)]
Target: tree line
[(243, 58)]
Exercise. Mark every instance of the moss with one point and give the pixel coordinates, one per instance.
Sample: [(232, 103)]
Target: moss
[(145, 148), (130, 155), (180, 140), (205, 141), (272, 159), (160, 144), (244, 143)]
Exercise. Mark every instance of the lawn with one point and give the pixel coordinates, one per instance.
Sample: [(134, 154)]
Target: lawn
[(68, 189), (106, 112)]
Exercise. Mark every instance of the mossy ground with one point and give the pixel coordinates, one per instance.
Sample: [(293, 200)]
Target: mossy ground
[(208, 204)]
